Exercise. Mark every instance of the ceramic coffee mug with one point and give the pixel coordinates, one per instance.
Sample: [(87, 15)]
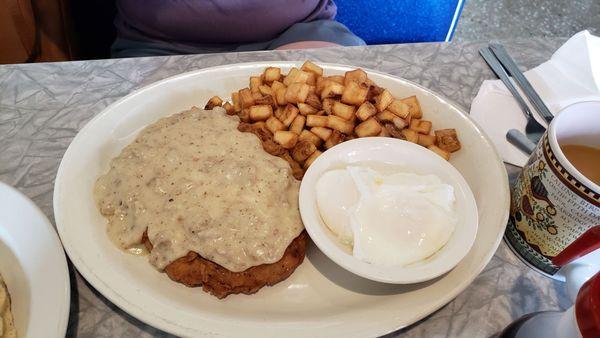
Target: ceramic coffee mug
[(552, 203)]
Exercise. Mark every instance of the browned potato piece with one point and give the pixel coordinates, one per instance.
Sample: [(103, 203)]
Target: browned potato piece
[(321, 82), (214, 101), (276, 85), (424, 127), (288, 114), (336, 78), (316, 121), (332, 89), (287, 139), (266, 100), (441, 152), (335, 138), (355, 93), (414, 108), (385, 116), (260, 112), (256, 96), (384, 132), (244, 115), (358, 76), (410, 135), (328, 105), (264, 135), (265, 90), (298, 124), (280, 96), (272, 74), (368, 128), (339, 124), (314, 101), (273, 124), (342, 110), (394, 132), (246, 98), (255, 82), (399, 123), (365, 111), (320, 112), (374, 91), (399, 108), (311, 159), (447, 140), (311, 80), (322, 132), (296, 92), (296, 76), (297, 170), (308, 66), (228, 108), (306, 135), (383, 100), (303, 150), (306, 109), (414, 123), (426, 140), (237, 103)]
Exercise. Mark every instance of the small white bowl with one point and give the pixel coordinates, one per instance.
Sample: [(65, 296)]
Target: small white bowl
[(405, 156)]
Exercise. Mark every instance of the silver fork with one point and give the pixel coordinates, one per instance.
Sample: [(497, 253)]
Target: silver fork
[(533, 128)]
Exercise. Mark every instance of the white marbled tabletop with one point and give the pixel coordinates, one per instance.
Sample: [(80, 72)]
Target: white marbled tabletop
[(43, 106)]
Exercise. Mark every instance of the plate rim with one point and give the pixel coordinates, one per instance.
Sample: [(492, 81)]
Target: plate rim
[(167, 326)]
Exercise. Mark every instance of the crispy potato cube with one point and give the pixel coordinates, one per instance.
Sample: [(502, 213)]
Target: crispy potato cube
[(306, 135), (332, 89), (288, 114), (328, 105), (260, 112), (255, 82), (246, 98), (321, 82), (439, 151), (311, 80), (265, 90), (266, 100), (308, 66), (336, 78), (214, 101), (383, 100), (385, 116), (374, 91), (414, 108), (244, 115), (273, 124), (237, 102), (339, 124), (316, 121), (272, 74), (311, 159), (314, 101), (296, 92), (399, 123), (256, 96), (414, 124), (424, 127), (410, 135), (276, 85), (394, 132), (306, 109), (426, 140), (298, 124), (297, 170), (447, 140), (357, 76), (365, 111), (335, 138), (320, 112), (228, 108), (264, 135), (321, 132), (342, 110), (384, 132), (296, 76), (369, 127), (303, 150), (280, 96), (286, 139), (355, 93), (399, 108)]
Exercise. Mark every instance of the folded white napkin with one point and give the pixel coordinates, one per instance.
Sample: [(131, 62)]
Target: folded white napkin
[(571, 75)]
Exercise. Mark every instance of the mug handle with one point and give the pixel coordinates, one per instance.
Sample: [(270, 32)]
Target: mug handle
[(586, 243)]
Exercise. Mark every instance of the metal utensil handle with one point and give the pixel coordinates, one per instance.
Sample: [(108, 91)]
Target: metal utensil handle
[(491, 60), (512, 68), (519, 140)]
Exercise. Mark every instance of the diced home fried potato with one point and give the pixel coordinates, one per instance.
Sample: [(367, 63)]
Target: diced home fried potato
[(306, 135), (414, 123), (246, 98), (295, 76), (237, 103), (328, 106), (386, 116), (394, 132), (314, 101), (296, 92), (411, 135), (214, 101), (399, 108), (260, 112), (365, 111), (414, 108), (369, 127), (256, 96), (276, 85), (272, 74), (358, 76), (288, 114), (424, 127), (316, 121), (273, 124), (355, 93), (244, 115), (303, 150), (339, 124), (286, 139), (228, 108), (320, 112), (447, 140), (383, 100), (332, 89), (335, 138), (297, 170), (308, 66), (265, 136), (311, 159), (265, 90), (306, 109), (321, 82), (342, 110), (255, 82), (321, 132), (439, 151), (298, 124), (426, 140), (311, 80), (374, 91), (399, 123), (266, 100), (384, 132), (337, 78), (280, 96)]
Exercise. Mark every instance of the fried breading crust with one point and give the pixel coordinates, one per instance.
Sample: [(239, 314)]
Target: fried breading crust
[(193, 270)]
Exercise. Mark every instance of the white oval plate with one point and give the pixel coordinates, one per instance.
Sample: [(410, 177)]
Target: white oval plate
[(34, 267), (320, 298)]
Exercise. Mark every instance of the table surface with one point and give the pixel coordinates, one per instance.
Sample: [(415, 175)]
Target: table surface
[(43, 106)]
